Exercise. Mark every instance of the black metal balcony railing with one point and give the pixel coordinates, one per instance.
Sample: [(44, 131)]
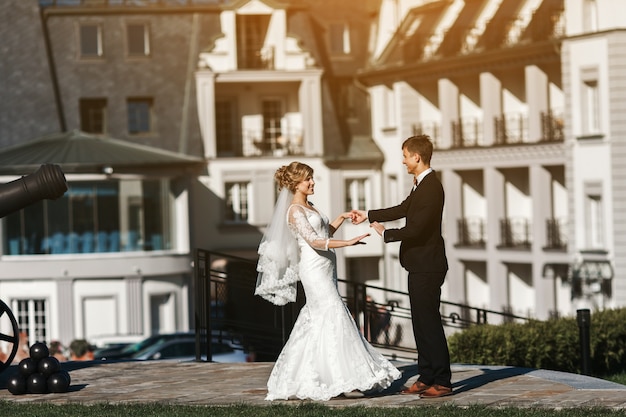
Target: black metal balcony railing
[(551, 127), (226, 307), (466, 133), (511, 129), (432, 129), (556, 237), (471, 232), (515, 233), (279, 142)]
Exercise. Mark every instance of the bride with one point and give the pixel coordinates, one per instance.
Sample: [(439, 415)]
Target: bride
[(325, 355)]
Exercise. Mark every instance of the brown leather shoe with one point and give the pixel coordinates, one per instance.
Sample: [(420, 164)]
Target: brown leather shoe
[(436, 391), (417, 388)]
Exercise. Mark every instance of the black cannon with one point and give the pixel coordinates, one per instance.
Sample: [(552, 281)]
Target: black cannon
[(47, 183)]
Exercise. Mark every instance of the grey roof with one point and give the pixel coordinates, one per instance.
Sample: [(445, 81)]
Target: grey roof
[(81, 152)]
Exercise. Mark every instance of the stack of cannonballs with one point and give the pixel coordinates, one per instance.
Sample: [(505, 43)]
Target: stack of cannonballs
[(39, 374)]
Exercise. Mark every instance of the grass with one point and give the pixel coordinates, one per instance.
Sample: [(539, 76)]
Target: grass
[(305, 410), (619, 378)]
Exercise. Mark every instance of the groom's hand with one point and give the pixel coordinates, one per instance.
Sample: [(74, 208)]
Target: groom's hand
[(358, 216)]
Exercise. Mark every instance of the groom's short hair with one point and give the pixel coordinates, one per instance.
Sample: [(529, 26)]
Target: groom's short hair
[(421, 145)]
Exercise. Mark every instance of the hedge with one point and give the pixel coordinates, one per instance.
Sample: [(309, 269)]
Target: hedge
[(553, 344)]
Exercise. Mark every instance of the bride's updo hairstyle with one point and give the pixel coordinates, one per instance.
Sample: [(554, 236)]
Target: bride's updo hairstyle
[(288, 176)]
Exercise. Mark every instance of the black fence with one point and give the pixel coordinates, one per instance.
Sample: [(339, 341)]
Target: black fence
[(226, 308)]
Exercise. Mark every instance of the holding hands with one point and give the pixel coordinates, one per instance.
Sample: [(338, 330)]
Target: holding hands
[(359, 216)]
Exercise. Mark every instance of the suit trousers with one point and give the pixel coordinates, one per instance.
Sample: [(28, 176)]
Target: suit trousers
[(433, 357)]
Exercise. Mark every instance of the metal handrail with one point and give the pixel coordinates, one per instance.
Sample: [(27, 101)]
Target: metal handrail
[(226, 307)]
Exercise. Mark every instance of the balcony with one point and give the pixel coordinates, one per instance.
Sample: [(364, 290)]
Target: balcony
[(272, 142), (515, 233), (551, 127), (466, 133), (432, 129), (511, 129), (471, 232), (556, 237)]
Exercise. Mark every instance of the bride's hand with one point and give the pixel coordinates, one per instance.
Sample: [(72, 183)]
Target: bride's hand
[(357, 240)]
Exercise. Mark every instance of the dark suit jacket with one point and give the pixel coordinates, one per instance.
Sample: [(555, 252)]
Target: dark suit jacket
[(422, 248)]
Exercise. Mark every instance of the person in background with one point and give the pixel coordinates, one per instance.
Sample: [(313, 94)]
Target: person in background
[(81, 350), (23, 350), (57, 350)]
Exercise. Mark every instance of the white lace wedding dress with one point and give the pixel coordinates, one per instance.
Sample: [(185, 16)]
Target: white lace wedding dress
[(325, 355)]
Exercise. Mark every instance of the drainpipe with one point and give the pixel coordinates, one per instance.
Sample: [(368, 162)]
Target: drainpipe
[(191, 65), (52, 68)]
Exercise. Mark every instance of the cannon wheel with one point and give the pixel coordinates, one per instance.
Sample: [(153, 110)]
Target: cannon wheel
[(12, 339)]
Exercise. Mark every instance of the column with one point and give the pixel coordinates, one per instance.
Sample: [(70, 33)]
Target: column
[(491, 103), (449, 106), (134, 300), (541, 196), (537, 99), (452, 184), (496, 270), (205, 96), (65, 291), (310, 96)]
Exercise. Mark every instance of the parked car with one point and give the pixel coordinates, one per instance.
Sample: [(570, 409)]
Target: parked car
[(185, 350), (127, 352)]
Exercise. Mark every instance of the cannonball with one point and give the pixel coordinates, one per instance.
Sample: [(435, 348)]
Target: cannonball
[(17, 384), (39, 351)]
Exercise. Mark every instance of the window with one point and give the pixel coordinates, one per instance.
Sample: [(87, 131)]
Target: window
[(237, 202), (32, 318), (590, 101), (339, 38), (224, 127), (356, 195), (90, 41), (594, 220), (590, 16), (139, 115), (93, 115), (138, 39), (251, 33), (95, 216), (272, 117), (591, 107)]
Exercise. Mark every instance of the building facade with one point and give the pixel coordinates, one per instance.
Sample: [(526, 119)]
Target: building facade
[(522, 99), (523, 117), (245, 86)]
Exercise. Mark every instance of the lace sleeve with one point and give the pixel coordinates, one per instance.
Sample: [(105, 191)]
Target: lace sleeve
[(299, 223)]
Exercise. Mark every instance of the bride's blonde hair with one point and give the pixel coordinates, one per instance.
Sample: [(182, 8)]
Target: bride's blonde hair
[(288, 176)]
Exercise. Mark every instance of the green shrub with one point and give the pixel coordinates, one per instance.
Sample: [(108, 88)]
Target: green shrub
[(553, 344)]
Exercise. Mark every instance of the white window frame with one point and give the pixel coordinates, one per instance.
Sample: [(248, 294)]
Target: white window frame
[(590, 102), (336, 46), (594, 216), (37, 332), (357, 190), (99, 49), (241, 209), (150, 102), (146, 40)]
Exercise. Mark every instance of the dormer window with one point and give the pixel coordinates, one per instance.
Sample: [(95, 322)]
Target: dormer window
[(251, 36)]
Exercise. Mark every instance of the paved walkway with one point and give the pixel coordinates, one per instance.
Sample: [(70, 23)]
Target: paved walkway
[(203, 383)]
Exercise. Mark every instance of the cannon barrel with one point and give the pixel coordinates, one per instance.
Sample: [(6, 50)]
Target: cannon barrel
[(48, 182)]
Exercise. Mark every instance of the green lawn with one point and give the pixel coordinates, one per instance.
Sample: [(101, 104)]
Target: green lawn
[(305, 410)]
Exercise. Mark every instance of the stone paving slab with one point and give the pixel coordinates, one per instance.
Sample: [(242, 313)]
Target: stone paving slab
[(205, 383)]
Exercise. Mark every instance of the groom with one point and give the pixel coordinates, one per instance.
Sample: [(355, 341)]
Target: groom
[(422, 254)]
